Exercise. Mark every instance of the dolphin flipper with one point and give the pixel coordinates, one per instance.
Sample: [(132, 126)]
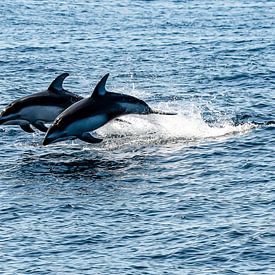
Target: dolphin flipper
[(40, 126), (87, 137), (27, 128)]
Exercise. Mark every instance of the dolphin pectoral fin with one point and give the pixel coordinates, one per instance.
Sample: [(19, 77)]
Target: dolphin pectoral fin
[(27, 128), (87, 137), (157, 112), (40, 126)]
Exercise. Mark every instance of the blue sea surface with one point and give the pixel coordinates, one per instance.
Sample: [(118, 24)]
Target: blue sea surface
[(185, 194)]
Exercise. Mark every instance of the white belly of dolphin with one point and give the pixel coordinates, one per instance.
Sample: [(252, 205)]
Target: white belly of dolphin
[(42, 113), (86, 124)]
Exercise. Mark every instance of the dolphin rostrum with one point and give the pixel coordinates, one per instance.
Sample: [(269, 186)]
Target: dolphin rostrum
[(93, 112), (39, 108)]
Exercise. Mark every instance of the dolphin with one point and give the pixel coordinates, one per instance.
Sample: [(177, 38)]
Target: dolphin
[(93, 112), (39, 108)]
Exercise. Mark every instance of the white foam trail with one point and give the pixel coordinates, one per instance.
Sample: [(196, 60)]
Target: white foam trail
[(188, 125)]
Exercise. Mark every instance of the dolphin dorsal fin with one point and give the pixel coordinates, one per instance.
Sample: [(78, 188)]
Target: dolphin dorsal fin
[(56, 85), (100, 89)]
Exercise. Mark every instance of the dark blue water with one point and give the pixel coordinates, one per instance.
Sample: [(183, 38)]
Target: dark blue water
[(188, 194)]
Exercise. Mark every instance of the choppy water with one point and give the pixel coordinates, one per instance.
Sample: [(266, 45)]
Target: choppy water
[(188, 194)]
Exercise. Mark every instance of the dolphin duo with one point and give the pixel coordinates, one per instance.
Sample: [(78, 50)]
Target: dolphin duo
[(93, 112), (72, 116), (39, 108)]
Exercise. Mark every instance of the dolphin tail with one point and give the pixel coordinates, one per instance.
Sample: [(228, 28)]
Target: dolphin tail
[(158, 112)]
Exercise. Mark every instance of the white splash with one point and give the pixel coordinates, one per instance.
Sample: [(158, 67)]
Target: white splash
[(187, 124)]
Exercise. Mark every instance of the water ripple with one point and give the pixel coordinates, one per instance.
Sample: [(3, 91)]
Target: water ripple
[(188, 194)]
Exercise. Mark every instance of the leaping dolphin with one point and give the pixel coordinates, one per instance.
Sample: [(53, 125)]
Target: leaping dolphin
[(39, 108), (93, 112)]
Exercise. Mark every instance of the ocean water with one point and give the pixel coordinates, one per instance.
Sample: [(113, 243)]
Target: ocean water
[(185, 194)]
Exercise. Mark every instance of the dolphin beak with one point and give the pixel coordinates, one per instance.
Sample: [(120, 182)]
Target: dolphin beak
[(2, 120), (47, 141)]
